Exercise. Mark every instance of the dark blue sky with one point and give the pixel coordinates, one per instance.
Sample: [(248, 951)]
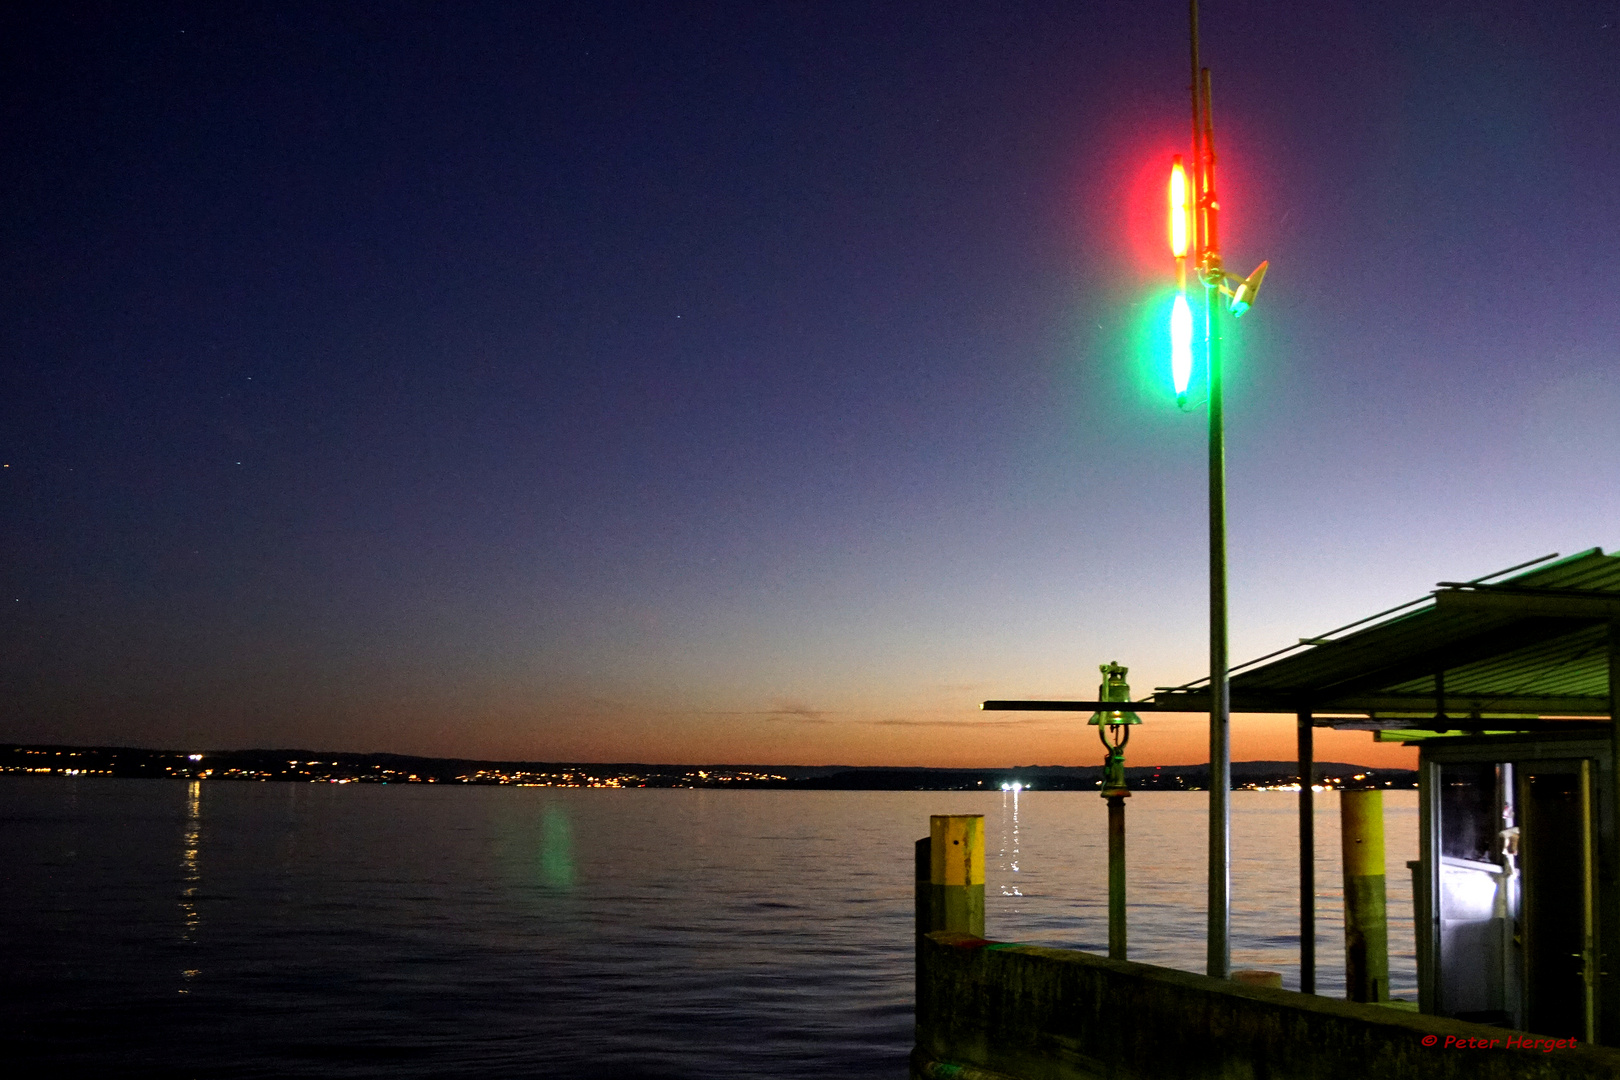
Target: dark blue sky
[(764, 381)]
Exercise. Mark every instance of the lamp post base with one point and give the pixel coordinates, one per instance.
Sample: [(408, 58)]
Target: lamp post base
[(1116, 875)]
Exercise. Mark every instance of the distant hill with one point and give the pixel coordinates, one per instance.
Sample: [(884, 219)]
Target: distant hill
[(322, 766), (1245, 774)]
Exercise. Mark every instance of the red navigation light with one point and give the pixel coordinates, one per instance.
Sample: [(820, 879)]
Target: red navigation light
[(1178, 208)]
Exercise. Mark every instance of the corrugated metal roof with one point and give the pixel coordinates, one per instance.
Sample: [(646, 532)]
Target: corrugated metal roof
[(1535, 644)]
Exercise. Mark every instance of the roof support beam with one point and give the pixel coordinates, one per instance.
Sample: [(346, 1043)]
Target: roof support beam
[(1543, 603), (1452, 723), (1457, 705), (1508, 705)]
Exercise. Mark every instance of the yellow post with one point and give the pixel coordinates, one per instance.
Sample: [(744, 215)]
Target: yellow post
[(1366, 927), (956, 872)]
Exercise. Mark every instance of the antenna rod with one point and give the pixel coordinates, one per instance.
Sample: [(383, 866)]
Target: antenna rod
[(1211, 205), (1197, 153)]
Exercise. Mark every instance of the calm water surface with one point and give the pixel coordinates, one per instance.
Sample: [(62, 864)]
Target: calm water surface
[(165, 928)]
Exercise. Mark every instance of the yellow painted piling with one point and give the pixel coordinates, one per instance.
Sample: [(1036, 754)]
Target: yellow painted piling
[(1366, 926), (956, 872)]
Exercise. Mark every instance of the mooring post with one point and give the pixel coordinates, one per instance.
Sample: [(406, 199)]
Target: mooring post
[(1307, 856), (1366, 929), (1116, 877), (956, 872), (924, 857)]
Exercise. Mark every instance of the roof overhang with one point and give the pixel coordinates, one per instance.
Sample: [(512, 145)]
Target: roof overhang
[(1474, 655)]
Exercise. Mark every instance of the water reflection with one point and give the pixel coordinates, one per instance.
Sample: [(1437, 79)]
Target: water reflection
[(556, 848), (777, 925), (189, 844), (1010, 885)]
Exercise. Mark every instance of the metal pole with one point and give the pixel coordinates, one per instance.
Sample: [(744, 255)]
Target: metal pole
[(1220, 747), (1608, 929), (1207, 250), (1116, 877), (1197, 144), (1307, 856)]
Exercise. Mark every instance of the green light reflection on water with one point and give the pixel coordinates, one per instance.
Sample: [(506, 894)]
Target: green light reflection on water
[(556, 848)]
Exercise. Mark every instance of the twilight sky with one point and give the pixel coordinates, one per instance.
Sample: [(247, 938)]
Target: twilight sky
[(766, 382)]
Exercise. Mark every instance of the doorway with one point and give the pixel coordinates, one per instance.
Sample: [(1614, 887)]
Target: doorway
[(1556, 927)]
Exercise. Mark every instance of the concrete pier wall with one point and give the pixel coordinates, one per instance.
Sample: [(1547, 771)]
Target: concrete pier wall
[(995, 1010)]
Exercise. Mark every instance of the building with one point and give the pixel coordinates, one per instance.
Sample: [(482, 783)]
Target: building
[(1507, 686)]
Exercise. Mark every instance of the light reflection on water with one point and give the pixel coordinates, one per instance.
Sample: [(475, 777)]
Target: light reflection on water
[(1059, 893), (1008, 865), (425, 931), (188, 859)]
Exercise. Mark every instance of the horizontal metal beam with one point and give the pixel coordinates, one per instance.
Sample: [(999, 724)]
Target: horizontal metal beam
[(1520, 705), (1464, 704), (1460, 706), (1544, 603), (1453, 723), (1082, 706)]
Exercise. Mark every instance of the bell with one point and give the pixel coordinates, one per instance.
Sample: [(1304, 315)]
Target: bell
[(1114, 688)]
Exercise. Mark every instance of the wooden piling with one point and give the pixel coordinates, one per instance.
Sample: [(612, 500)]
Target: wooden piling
[(924, 852), (1116, 876), (956, 872), (1307, 855), (1366, 927)]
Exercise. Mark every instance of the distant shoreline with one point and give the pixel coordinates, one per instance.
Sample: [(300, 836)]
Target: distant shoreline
[(310, 766)]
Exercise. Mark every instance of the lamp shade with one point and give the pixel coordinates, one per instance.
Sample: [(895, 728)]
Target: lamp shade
[(1114, 688)]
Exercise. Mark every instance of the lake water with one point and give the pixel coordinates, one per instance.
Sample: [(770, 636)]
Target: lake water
[(166, 928)]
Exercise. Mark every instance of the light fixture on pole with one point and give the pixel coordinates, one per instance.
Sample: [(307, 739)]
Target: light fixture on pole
[(1181, 325), (1199, 240), (1114, 729)]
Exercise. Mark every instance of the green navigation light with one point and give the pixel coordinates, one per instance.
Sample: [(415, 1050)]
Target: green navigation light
[(1181, 334)]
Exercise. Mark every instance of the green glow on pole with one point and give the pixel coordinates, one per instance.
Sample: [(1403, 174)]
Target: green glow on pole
[(1181, 334)]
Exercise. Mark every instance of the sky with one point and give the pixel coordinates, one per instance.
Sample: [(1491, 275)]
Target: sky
[(767, 382)]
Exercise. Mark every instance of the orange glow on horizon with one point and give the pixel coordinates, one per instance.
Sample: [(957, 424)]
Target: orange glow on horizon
[(938, 739)]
